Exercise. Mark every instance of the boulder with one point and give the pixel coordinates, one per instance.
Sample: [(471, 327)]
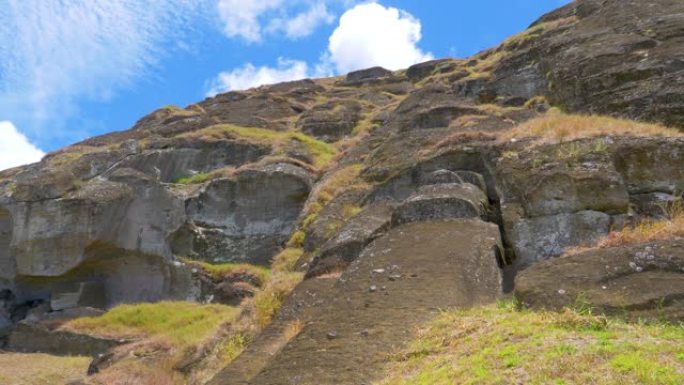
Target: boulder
[(368, 74), (260, 109), (331, 121), (443, 201), (637, 158), (420, 71), (643, 281)]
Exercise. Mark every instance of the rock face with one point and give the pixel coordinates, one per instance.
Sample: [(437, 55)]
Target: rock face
[(331, 121), (365, 172), (244, 219), (640, 281), (551, 200), (113, 239), (635, 68)]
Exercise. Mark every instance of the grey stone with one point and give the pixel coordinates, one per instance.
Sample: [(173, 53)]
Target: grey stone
[(38, 338), (245, 218), (536, 239), (346, 245), (445, 201), (368, 74), (641, 281)]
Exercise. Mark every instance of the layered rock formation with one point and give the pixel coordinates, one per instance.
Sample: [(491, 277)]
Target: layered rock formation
[(370, 171)]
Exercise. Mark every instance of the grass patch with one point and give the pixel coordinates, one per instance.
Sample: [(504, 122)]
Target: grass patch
[(207, 176), (219, 272), (322, 153), (268, 301), (182, 324), (500, 344), (286, 260), (41, 369), (556, 126), (343, 179)]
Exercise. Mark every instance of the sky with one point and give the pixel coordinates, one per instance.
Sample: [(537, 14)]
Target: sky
[(72, 69)]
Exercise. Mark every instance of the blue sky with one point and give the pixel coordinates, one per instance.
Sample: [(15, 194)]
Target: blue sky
[(70, 69)]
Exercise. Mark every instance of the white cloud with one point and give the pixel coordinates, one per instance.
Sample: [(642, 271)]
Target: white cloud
[(55, 53), (304, 23), (15, 149), (373, 35), (250, 20), (368, 35), (241, 17), (249, 76)]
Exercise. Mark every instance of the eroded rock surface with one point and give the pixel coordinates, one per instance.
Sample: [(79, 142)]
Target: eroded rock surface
[(398, 282), (364, 173), (638, 281)]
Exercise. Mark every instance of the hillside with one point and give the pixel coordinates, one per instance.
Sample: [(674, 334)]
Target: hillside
[(307, 232)]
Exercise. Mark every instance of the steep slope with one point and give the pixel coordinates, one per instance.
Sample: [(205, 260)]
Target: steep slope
[(465, 171)]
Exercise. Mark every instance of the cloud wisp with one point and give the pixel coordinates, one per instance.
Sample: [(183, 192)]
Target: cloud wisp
[(54, 54), (252, 20), (368, 34), (249, 76)]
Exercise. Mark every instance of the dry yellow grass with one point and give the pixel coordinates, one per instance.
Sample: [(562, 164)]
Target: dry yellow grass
[(41, 369), (650, 230), (293, 329), (135, 372), (344, 179), (268, 300), (647, 230), (556, 126)]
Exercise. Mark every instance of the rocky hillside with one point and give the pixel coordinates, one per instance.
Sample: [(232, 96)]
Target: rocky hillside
[(394, 194)]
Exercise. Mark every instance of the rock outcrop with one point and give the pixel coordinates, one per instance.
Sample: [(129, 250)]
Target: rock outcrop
[(399, 189), (643, 281)]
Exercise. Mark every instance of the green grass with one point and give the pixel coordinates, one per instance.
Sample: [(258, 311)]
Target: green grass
[(268, 301), (321, 152), (342, 180), (287, 259), (224, 270), (207, 176), (501, 345), (180, 323), (41, 369)]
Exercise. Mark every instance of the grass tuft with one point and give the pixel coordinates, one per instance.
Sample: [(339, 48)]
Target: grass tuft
[(556, 126), (219, 272), (268, 301), (286, 260)]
